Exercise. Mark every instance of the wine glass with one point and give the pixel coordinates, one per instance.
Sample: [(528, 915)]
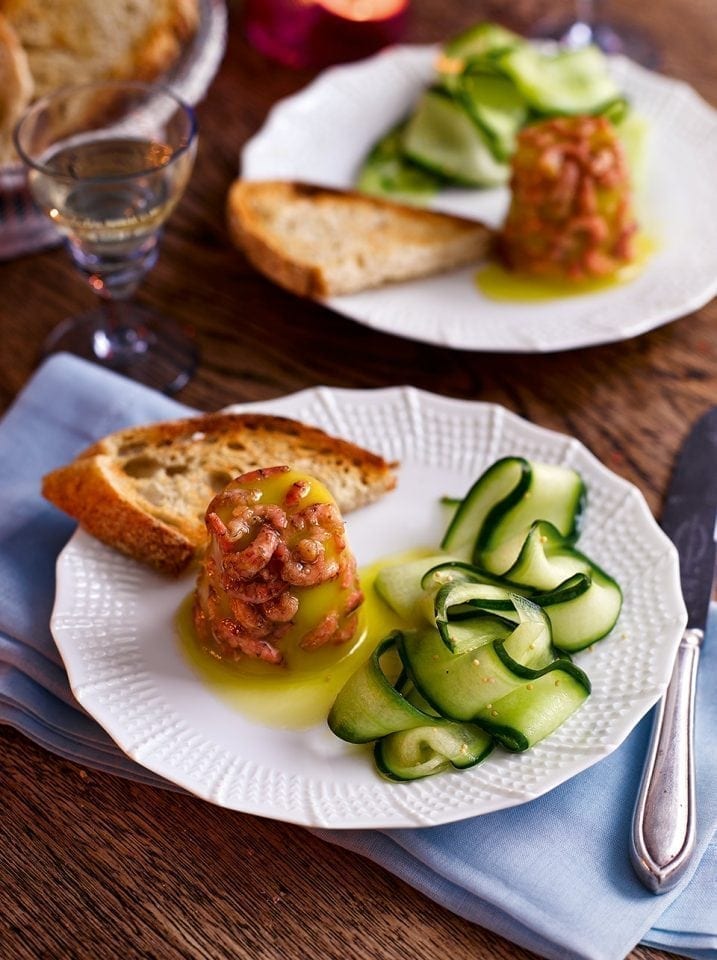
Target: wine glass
[(588, 26), (108, 162)]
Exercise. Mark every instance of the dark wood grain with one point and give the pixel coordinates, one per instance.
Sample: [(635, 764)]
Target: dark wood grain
[(96, 867)]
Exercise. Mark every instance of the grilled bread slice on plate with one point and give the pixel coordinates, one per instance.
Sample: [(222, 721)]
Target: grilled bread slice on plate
[(145, 490), (320, 242), (15, 86), (76, 41)]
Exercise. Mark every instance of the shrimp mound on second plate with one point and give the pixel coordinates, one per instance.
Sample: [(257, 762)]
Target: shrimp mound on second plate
[(278, 572), (571, 215)]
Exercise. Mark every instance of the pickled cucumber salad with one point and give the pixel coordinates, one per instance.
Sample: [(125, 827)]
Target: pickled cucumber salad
[(489, 84), (481, 659)]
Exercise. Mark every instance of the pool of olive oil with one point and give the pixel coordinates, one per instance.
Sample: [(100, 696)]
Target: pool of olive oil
[(300, 693), (497, 283)]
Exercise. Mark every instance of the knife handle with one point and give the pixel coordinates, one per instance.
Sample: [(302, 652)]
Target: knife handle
[(663, 826)]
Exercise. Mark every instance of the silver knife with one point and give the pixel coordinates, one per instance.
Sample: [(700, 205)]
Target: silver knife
[(663, 827)]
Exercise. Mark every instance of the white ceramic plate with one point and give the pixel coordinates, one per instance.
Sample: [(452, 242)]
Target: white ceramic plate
[(322, 134), (113, 625)]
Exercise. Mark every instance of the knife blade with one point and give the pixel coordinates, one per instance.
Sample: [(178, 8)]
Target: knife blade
[(663, 827)]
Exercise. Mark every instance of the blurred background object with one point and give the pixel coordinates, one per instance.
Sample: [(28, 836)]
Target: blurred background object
[(588, 24), (317, 33)]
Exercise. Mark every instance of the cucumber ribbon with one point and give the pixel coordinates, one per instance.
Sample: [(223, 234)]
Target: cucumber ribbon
[(494, 619)]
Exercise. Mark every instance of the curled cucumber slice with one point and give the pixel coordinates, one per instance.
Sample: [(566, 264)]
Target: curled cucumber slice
[(442, 137), (424, 751), (369, 706), (387, 172), (570, 82), (505, 500), (495, 104), (481, 40), (513, 686)]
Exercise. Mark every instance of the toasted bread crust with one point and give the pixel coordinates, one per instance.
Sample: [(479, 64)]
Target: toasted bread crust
[(16, 86), (380, 241), (303, 279), (144, 490), (79, 41), (87, 490)]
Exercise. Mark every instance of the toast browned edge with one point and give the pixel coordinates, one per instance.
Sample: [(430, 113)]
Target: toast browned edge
[(84, 491), (302, 279)]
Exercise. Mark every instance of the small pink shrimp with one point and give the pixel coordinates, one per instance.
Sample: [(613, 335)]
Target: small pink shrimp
[(324, 516), (266, 586), (296, 492), (322, 633), (229, 633), (249, 617), (281, 609), (245, 564), (299, 573)]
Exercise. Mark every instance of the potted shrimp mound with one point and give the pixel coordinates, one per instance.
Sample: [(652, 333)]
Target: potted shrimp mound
[(570, 216), (278, 578)]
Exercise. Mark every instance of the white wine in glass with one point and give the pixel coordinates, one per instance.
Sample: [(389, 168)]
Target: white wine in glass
[(108, 163)]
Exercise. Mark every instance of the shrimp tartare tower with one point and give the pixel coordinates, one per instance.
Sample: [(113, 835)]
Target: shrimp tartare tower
[(571, 215), (277, 573)]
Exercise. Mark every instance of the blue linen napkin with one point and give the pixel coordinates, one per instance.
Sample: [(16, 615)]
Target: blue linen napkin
[(551, 875)]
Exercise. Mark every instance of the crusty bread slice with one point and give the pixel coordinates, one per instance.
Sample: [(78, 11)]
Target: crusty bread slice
[(15, 86), (76, 41), (144, 490), (320, 242)]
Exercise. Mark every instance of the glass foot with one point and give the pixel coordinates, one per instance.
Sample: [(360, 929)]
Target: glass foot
[(131, 340)]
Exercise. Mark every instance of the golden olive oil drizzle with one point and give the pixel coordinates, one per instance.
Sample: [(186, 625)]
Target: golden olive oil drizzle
[(300, 694)]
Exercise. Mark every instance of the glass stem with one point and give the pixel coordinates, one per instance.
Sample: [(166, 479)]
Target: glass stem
[(114, 271)]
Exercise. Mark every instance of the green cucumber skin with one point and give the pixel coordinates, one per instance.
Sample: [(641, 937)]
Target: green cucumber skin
[(470, 524), (520, 724), (387, 172), (455, 539), (471, 149), (368, 706), (520, 62), (472, 746), (501, 513), (448, 702), (559, 604), (449, 681), (470, 573), (481, 40), (582, 564)]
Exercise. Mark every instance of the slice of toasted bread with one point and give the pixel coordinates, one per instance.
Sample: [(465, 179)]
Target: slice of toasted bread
[(320, 242), (15, 86), (144, 490), (77, 41)]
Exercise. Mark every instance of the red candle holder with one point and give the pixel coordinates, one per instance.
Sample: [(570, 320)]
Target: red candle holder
[(316, 33)]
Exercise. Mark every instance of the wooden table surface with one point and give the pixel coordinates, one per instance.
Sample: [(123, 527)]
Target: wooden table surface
[(97, 867)]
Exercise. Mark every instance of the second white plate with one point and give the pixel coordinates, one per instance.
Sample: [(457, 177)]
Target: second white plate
[(322, 134)]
